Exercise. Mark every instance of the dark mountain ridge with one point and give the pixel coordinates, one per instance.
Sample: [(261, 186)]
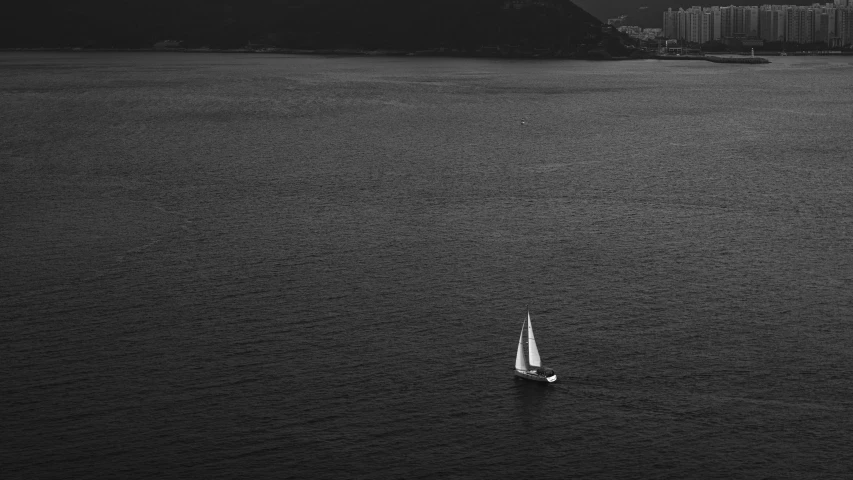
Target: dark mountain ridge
[(466, 25)]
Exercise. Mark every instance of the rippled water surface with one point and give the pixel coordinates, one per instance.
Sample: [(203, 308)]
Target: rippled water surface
[(307, 267)]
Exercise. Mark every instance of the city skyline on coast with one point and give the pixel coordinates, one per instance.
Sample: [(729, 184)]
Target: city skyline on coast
[(830, 23), (647, 14)]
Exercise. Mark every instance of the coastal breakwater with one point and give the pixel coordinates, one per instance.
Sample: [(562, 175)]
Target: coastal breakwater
[(709, 58)]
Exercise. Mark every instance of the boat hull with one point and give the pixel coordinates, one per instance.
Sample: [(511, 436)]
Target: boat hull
[(535, 377)]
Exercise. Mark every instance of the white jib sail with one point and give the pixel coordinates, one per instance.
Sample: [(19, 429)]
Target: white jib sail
[(520, 361), (535, 361)]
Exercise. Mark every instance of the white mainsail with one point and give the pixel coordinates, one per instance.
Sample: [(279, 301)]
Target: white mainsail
[(520, 361), (535, 361)]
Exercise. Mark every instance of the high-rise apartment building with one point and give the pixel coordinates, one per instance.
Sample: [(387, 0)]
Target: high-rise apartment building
[(738, 24), (771, 20), (715, 23), (670, 24), (832, 24), (808, 33), (683, 25), (795, 24), (727, 21), (766, 32), (844, 26), (695, 27), (750, 21), (700, 26)]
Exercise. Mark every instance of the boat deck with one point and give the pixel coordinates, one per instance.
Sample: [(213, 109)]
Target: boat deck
[(532, 375)]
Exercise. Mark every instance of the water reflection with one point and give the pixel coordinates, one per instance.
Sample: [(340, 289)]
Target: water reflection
[(531, 398)]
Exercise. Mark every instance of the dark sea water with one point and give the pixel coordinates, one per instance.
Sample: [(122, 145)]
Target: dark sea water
[(263, 266)]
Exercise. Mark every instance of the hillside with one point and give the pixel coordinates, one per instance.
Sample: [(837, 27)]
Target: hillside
[(557, 25)]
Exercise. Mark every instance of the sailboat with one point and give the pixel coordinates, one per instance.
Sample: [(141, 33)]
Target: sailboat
[(529, 366)]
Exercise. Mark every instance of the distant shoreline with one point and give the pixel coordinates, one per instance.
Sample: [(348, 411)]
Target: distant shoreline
[(330, 51), (747, 60), (596, 55)]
